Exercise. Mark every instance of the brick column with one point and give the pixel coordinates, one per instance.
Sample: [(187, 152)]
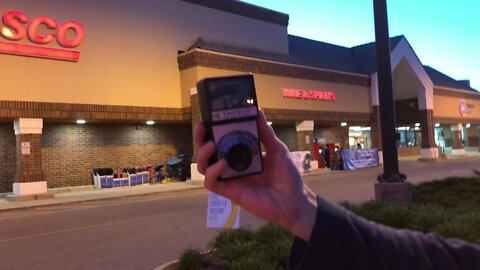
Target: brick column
[(29, 180), (196, 177), (195, 108), (429, 150), (375, 133), (472, 136), (305, 135), (457, 146)]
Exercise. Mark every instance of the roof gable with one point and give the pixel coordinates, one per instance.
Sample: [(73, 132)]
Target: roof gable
[(366, 54), (323, 55), (440, 79)]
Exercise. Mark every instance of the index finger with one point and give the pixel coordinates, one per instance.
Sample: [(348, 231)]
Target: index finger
[(199, 133)]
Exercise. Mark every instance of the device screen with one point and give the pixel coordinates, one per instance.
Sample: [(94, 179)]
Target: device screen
[(231, 94)]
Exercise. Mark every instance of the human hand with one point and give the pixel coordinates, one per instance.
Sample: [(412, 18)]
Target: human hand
[(277, 195)]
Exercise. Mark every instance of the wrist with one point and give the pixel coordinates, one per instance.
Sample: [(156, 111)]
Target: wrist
[(304, 215)]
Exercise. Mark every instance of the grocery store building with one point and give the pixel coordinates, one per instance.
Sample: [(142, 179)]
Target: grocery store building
[(119, 63)]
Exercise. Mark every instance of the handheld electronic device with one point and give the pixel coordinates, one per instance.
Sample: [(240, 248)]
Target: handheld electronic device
[(229, 110)]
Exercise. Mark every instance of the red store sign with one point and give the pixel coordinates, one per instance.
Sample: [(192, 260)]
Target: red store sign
[(16, 26), (309, 94)]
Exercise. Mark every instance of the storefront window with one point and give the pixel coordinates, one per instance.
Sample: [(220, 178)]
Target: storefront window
[(359, 137), (409, 136)]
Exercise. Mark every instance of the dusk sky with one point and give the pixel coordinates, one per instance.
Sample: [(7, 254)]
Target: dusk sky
[(445, 34)]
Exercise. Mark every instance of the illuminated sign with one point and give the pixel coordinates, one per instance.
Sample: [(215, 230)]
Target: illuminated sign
[(309, 94), (41, 31)]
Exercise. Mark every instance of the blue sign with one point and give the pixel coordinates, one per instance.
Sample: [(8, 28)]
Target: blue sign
[(361, 158)]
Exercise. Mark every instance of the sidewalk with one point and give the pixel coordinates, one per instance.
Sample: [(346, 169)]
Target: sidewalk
[(88, 193)]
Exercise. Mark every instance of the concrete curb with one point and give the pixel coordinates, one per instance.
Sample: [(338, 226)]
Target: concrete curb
[(10, 206), (165, 265), (71, 195)]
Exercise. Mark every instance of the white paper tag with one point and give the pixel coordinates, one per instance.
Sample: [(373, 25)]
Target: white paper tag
[(222, 213)]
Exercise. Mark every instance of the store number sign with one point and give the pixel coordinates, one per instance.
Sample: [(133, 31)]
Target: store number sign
[(41, 31), (465, 108)]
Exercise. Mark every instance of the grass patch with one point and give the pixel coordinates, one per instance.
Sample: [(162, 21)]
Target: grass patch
[(266, 248), (243, 249), (450, 207), (192, 259)]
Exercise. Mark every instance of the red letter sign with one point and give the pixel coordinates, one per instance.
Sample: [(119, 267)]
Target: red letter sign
[(33, 30), (62, 34), (15, 28), (15, 20)]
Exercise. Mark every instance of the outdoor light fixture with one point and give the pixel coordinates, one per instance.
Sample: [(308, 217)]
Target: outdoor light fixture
[(150, 122), (343, 124), (417, 124), (417, 128), (81, 121), (467, 125), (6, 32), (269, 123), (437, 125), (250, 101)]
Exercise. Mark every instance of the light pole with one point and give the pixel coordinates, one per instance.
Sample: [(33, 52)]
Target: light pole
[(392, 185)]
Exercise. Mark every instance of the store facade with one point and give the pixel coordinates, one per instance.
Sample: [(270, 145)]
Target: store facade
[(117, 64)]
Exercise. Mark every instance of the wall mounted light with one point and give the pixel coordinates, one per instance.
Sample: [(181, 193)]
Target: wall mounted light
[(417, 124), (269, 123), (343, 124), (81, 121), (6, 32), (467, 125), (150, 122), (437, 125)]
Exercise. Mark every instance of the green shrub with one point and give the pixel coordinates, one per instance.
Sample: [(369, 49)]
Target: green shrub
[(274, 244), (191, 259), (268, 247), (272, 232), (450, 207), (238, 250), (253, 262), (452, 192), (464, 227), (229, 236)]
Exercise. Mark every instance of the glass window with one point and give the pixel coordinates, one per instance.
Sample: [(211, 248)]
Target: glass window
[(409, 136), (359, 137)]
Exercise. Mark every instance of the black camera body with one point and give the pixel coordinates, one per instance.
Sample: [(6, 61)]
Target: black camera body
[(229, 109)]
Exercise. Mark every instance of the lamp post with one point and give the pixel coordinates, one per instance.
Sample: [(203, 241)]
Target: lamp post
[(392, 185)]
